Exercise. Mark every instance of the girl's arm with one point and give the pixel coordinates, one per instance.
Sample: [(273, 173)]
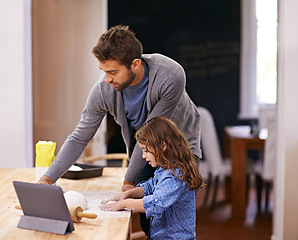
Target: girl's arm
[(132, 193), (133, 204), (130, 199)]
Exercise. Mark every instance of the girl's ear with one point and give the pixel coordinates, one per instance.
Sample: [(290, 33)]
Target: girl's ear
[(163, 145)]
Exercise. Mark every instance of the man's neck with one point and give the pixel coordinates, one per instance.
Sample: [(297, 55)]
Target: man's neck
[(139, 75)]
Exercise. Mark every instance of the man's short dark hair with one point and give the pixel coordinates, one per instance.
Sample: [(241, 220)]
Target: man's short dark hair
[(118, 43)]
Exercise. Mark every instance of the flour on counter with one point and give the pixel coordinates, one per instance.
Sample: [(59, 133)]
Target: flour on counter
[(94, 200)]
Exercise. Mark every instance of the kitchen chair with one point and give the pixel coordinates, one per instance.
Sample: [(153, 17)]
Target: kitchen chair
[(217, 166), (266, 168)]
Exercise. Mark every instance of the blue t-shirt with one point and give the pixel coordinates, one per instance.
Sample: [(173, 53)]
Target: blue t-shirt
[(170, 205), (134, 99)]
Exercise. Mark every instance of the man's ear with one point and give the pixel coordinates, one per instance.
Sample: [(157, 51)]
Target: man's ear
[(136, 63)]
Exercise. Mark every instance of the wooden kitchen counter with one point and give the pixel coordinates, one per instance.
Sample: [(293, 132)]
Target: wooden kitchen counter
[(108, 228)]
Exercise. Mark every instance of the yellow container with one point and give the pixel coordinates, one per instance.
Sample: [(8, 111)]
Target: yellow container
[(45, 151)]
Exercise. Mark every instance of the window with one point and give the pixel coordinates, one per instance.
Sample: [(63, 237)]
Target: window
[(266, 13), (258, 56)]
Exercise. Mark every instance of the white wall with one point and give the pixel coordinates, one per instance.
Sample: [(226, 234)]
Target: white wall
[(285, 220), (64, 68), (16, 123), (248, 108), (15, 120)]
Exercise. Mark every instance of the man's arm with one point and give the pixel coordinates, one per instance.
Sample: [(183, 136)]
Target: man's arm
[(136, 165), (127, 185), (75, 143)]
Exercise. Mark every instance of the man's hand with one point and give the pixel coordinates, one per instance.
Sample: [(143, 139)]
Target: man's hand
[(45, 180), (127, 185)]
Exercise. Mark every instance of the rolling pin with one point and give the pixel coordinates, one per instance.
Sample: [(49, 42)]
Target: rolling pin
[(76, 213)]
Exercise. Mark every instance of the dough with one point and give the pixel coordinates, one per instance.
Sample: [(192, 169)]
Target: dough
[(75, 199), (75, 168)]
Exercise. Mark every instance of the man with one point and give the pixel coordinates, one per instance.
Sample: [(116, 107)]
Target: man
[(135, 88)]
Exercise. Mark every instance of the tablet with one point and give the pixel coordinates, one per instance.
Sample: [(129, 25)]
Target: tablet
[(44, 208)]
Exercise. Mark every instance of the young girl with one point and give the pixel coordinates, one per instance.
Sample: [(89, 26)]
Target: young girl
[(168, 198)]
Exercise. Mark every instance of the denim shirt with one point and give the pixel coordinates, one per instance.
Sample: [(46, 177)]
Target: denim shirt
[(170, 205)]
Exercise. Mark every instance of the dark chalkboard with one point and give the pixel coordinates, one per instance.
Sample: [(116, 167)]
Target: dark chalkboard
[(203, 36)]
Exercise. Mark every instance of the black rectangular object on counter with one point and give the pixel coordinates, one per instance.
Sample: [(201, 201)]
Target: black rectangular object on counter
[(89, 171)]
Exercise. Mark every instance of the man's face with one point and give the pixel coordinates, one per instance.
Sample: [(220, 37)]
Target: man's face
[(117, 74)]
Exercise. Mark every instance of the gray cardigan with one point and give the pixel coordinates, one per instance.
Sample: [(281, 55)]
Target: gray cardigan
[(166, 96)]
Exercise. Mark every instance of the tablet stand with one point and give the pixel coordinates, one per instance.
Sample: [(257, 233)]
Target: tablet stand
[(44, 224)]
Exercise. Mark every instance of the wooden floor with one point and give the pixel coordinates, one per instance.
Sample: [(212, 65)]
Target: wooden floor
[(216, 224)]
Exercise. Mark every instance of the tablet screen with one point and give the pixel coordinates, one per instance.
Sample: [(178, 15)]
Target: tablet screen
[(43, 201)]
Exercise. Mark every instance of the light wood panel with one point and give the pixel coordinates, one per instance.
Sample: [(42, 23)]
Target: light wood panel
[(64, 68)]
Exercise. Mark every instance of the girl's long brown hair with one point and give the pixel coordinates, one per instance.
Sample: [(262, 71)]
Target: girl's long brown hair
[(159, 132)]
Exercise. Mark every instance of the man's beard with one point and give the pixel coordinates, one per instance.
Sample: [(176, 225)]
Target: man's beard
[(131, 76)]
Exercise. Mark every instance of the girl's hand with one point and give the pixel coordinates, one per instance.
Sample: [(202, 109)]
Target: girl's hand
[(114, 206), (109, 200), (119, 197), (126, 204)]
